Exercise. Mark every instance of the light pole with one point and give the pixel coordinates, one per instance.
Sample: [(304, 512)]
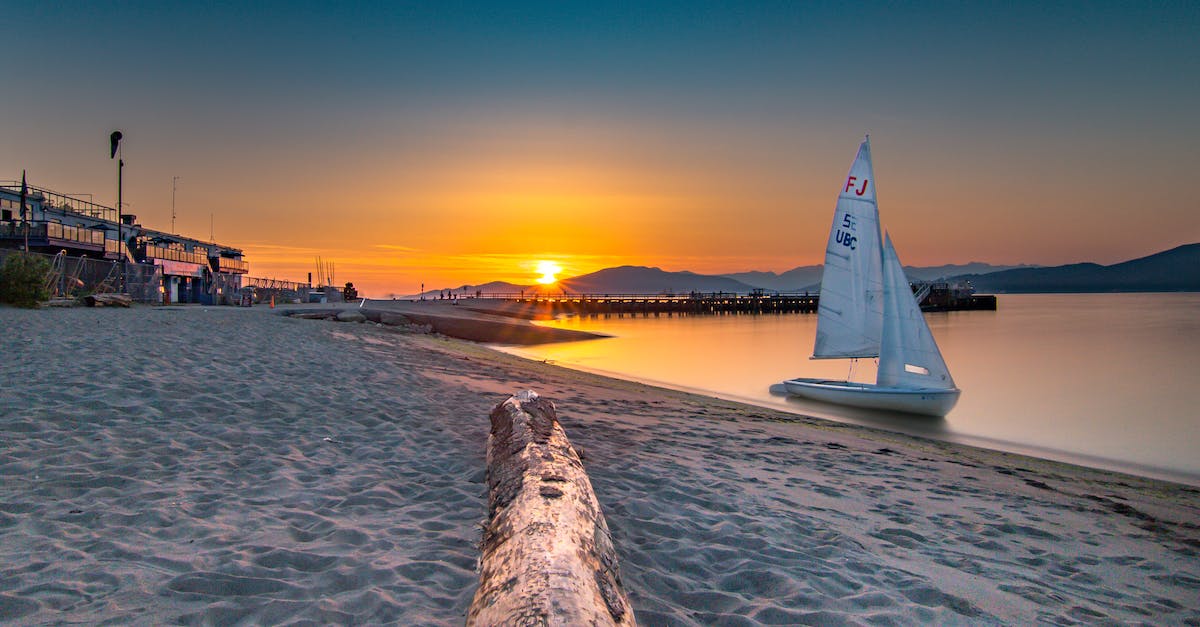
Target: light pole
[(174, 180), (24, 221), (114, 141)]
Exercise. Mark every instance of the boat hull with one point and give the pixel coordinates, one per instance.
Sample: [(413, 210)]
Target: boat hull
[(924, 401)]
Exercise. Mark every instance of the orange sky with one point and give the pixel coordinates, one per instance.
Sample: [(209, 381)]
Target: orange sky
[(490, 208), (439, 147)]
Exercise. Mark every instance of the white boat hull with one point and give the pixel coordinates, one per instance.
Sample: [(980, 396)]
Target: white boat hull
[(925, 401)]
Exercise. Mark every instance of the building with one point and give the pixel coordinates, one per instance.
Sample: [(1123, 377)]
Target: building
[(168, 268)]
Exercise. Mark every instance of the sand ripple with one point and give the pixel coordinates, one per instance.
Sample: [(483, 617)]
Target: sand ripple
[(224, 466), (219, 468)]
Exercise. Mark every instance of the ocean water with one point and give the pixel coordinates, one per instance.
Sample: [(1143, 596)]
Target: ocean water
[(1106, 380)]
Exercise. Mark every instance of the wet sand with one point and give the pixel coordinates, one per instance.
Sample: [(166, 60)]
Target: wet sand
[(215, 465)]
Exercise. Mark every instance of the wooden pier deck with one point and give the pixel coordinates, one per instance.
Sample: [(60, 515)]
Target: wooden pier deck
[(545, 306), (654, 305)]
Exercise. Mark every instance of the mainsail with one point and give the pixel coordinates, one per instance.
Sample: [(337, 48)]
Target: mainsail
[(909, 356), (850, 315)]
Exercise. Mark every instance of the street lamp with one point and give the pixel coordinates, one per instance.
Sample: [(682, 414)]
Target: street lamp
[(24, 222)]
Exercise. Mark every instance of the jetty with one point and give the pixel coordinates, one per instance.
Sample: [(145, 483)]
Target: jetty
[(542, 306)]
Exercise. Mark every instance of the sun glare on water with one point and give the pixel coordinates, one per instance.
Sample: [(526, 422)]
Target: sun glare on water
[(548, 270)]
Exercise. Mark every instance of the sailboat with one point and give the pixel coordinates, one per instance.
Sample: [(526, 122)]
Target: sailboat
[(868, 310)]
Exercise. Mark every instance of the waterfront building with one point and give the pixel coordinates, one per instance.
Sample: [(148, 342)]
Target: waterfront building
[(172, 268)]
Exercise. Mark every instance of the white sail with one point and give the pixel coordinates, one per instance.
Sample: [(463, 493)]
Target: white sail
[(850, 315), (908, 356)]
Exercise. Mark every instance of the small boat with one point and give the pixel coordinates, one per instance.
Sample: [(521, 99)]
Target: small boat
[(867, 310)]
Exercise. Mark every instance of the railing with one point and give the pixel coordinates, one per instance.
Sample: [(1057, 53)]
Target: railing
[(53, 230), (174, 254), (17, 230), (54, 200), (275, 284), (228, 264), (75, 234)]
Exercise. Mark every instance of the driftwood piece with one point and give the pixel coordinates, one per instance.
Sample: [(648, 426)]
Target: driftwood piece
[(312, 315), (108, 300), (547, 557)]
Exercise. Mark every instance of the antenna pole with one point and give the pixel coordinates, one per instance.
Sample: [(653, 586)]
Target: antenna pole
[(174, 181)]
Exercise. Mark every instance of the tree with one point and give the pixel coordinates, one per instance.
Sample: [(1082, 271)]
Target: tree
[(23, 280)]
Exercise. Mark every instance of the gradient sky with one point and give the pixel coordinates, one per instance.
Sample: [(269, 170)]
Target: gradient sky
[(446, 143)]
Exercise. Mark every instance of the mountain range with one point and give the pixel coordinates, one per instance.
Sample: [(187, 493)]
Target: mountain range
[(1174, 270), (809, 277), (1177, 269)]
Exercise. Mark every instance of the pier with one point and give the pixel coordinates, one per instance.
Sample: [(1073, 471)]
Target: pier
[(545, 306), (660, 304)]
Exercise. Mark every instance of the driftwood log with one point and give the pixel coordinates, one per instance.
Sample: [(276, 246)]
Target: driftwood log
[(108, 300), (547, 556)]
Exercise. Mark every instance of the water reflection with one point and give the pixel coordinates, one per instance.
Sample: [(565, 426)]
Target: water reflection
[(1079, 377)]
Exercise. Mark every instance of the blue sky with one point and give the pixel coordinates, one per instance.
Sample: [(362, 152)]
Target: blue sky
[(1047, 133)]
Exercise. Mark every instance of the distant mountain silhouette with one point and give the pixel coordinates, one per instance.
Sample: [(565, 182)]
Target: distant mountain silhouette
[(1175, 270), (500, 287), (494, 287), (930, 273), (620, 280), (643, 280), (794, 280), (808, 278)]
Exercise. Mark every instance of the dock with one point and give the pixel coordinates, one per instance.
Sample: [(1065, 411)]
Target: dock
[(662, 304), (545, 306)]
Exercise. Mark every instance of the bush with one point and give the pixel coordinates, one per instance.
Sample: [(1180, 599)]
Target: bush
[(23, 280)]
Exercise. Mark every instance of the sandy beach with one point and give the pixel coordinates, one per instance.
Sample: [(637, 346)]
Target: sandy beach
[(209, 465)]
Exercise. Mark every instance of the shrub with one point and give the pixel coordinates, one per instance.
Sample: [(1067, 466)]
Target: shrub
[(23, 280)]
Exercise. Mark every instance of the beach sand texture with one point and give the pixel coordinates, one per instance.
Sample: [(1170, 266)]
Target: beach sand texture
[(222, 465)]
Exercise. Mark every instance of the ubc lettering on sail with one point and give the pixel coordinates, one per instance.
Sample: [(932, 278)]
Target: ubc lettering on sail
[(850, 182), (846, 238)]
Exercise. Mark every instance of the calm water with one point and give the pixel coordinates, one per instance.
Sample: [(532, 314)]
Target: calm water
[(1109, 380)]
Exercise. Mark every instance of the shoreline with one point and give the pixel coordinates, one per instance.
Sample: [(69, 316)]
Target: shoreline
[(881, 431), (451, 320), (508, 329), (1089, 462), (235, 465), (1108, 412)]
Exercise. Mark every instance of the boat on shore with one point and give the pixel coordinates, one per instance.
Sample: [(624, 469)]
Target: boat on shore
[(867, 310)]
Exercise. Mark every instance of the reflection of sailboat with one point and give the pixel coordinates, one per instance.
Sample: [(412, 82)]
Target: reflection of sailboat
[(867, 309)]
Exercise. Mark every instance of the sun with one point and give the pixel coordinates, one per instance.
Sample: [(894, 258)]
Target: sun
[(547, 269)]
